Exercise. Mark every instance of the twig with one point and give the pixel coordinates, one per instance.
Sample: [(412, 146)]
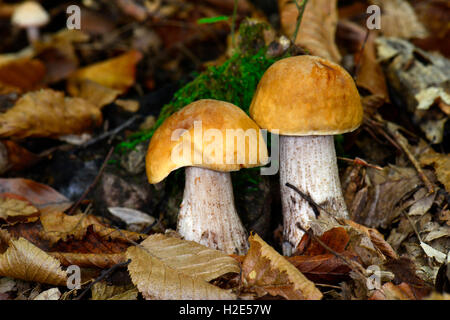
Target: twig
[(359, 56), (92, 185), (308, 199), (233, 24), (361, 162), (115, 131), (353, 265), (301, 10), (102, 276), (401, 140)]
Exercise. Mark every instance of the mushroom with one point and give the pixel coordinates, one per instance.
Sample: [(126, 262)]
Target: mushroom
[(31, 16), (204, 133), (307, 100)]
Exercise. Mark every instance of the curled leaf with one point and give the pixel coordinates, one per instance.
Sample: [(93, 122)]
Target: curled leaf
[(23, 260), (264, 271)]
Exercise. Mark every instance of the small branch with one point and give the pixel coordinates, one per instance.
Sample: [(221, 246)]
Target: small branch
[(308, 199), (102, 276), (401, 140), (301, 10), (93, 184), (361, 162), (233, 24), (353, 265), (113, 132), (359, 56)]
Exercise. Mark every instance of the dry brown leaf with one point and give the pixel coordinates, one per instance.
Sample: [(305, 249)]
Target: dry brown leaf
[(14, 157), (370, 74), (264, 271), (157, 280), (389, 291), (21, 75), (59, 226), (440, 162), (89, 260), (47, 113), (97, 94), (324, 268), (398, 19), (128, 105), (190, 257), (23, 260), (57, 52), (102, 291), (318, 26), (117, 73), (376, 237), (12, 209)]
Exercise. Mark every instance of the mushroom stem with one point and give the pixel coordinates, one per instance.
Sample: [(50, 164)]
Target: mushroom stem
[(309, 163), (32, 34), (208, 215)]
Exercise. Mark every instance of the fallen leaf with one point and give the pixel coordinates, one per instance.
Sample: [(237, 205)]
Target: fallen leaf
[(156, 279), (96, 93), (128, 105), (376, 237), (190, 257), (379, 203), (440, 162), (57, 53), (399, 19), (135, 219), (37, 193), (324, 268), (13, 157), (117, 73), (433, 253), (13, 209), (89, 260), (50, 294), (336, 239), (47, 113), (23, 260), (102, 291), (389, 291), (317, 29), (264, 271), (370, 75), (21, 75)]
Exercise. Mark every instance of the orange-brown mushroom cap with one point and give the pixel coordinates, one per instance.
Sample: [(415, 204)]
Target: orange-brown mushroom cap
[(227, 133), (307, 95)]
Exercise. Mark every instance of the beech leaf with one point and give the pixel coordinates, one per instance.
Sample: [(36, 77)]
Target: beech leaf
[(23, 260), (172, 269)]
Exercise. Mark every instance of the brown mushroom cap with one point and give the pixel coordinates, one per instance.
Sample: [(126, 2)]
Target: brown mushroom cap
[(30, 14), (213, 114), (307, 95)]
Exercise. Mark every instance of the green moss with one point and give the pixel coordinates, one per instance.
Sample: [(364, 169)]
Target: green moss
[(234, 81)]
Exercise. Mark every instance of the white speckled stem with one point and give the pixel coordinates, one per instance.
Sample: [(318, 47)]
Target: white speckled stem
[(208, 215), (309, 163)]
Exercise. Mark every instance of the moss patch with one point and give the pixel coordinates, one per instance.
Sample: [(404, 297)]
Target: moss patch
[(234, 81)]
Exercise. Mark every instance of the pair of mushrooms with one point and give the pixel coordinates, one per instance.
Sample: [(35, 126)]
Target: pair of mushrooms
[(304, 99)]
